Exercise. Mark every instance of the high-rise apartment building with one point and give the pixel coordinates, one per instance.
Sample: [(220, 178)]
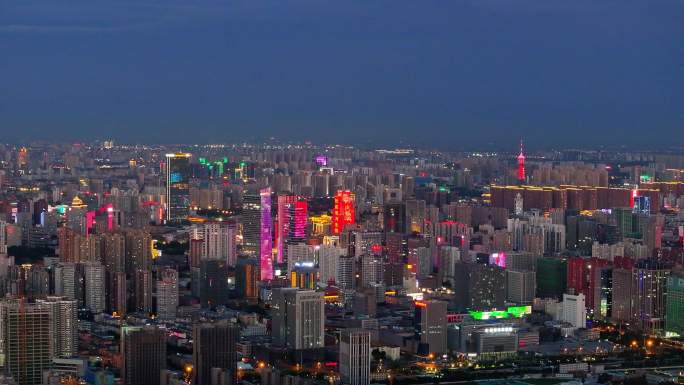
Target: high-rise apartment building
[(167, 294), (218, 241), (64, 319), (143, 291), (27, 343), (138, 253), (70, 281), (94, 274)]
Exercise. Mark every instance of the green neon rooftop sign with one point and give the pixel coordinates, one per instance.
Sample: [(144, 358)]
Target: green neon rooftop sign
[(512, 311)]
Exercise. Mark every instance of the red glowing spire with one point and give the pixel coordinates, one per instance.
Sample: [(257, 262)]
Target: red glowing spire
[(521, 164)]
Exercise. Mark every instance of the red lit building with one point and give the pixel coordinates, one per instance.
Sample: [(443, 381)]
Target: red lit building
[(343, 213), (293, 214), (521, 164), (580, 277)]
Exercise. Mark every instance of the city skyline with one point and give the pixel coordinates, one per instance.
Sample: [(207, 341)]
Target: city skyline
[(312, 192)]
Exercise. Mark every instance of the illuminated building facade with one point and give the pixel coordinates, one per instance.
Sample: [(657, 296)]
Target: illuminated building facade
[(266, 245), (177, 186), (521, 164), (321, 225), (246, 276), (343, 211), (293, 217), (283, 223), (674, 314), (251, 224), (581, 277), (304, 275)]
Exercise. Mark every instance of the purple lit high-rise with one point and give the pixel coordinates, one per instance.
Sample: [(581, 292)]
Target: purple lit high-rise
[(266, 249)]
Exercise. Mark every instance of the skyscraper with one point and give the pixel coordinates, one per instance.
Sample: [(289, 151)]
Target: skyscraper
[(551, 277), (167, 294), (246, 277), (520, 286), (431, 326), (298, 318), (283, 224), (144, 354), (251, 224), (649, 284), (213, 285), (521, 164), (177, 186), (479, 287), (355, 357), (266, 241), (214, 347), (27, 342), (292, 221), (674, 314), (343, 211)]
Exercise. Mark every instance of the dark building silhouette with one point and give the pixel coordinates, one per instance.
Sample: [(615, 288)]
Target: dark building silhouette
[(144, 354), (214, 347), (213, 283)]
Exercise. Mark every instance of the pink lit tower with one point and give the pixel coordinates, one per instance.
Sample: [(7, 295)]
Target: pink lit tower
[(266, 249), (521, 164)]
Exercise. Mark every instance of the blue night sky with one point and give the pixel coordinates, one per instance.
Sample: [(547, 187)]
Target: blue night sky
[(433, 73)]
